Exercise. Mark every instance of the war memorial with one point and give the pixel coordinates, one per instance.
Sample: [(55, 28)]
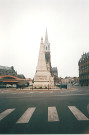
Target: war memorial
[(43, 76)]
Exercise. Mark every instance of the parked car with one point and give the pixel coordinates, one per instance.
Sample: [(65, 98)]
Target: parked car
[(8, 86), (62, 86)]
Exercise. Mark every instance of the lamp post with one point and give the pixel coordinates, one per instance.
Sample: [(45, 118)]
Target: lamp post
[(48, 86)]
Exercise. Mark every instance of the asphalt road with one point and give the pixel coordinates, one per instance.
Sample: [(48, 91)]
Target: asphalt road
[(44, 112)]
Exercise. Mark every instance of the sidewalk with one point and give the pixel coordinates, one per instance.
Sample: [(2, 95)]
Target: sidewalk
[(56, 89), (30, 89)]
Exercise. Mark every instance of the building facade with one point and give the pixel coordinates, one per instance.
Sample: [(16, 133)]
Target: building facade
[(54, 71), (12, 80), (84, 69)]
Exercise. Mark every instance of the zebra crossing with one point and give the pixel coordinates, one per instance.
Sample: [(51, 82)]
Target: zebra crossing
[(52, 114), (77, 113), (5, 113), (27, 115)]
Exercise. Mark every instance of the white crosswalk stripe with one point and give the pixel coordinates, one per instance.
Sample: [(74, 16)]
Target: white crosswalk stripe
[(27, 115), (52, 114), (77, 113), (5, 113)]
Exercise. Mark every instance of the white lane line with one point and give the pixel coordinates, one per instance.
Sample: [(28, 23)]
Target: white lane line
[(52, 114), (5, 113), (27, 115), (77, 113)]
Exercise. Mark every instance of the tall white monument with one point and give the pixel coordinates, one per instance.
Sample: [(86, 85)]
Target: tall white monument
[(42, 78)]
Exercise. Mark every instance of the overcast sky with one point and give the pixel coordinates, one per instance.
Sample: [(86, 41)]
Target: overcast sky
[(23, 22)]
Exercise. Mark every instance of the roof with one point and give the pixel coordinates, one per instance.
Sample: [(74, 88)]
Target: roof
[(54, 68), (21, 76), (10, 81), (5, 68), (85, 55), (14, 77)]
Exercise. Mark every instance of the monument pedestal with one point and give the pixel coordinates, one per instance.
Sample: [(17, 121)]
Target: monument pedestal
[(43, 80)]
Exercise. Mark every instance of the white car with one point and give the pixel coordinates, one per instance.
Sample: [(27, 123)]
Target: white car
[(8, 86)]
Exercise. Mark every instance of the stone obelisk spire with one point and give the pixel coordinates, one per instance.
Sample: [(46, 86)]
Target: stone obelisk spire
[(42, 76), (41, 66)]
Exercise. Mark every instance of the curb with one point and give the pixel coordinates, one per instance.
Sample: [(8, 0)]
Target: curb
[(34, 90)]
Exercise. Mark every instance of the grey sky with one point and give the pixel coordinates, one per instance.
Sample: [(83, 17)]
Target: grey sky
[(23, 22)]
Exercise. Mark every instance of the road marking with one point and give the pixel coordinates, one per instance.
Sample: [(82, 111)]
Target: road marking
[(51, 92), (52, 114), (41, 92), (77, 113), (27, 115), (73, 94), (32, 92), (5, 113), (88, 108)]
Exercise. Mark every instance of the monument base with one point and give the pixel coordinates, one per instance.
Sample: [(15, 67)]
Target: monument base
[(41, 85)]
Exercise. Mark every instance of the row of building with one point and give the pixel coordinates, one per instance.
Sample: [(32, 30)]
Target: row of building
[(69, 80), (83, 78), (10, 78), (83, 64), (4, 70)]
